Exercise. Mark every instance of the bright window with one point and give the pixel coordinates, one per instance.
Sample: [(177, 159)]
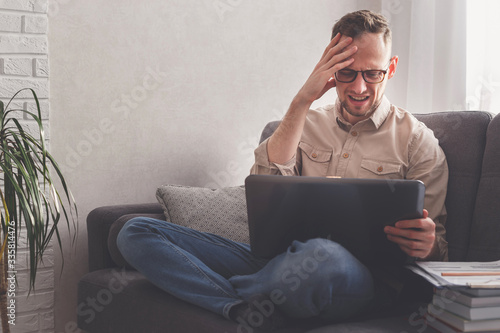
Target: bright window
[(483, 55)]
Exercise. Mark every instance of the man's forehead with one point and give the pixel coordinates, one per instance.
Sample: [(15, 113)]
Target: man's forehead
[(365, 66), (367, 40), (372, 52)]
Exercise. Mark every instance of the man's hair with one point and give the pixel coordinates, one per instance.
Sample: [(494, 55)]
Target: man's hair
[(362, 21)]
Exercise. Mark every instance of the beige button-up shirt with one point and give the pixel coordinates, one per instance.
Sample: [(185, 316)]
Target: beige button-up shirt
[(391, 144)]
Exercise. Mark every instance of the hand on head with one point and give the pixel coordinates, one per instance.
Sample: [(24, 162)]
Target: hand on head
[(336, 56)]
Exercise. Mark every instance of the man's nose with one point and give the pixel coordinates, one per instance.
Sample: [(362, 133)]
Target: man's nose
[(359, 84)]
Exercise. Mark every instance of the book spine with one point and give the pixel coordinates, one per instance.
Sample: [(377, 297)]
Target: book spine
[(465, 311)]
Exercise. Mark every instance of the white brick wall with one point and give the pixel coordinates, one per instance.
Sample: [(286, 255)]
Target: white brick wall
[(17, 66), (10, 23), (24, 63)]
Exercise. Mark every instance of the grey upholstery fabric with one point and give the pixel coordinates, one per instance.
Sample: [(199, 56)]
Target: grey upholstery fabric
[(415, 323), (124, 301), (462, 136), (218, 211), (485, 233)]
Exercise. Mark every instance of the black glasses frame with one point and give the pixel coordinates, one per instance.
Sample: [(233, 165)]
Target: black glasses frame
[(363, 74)]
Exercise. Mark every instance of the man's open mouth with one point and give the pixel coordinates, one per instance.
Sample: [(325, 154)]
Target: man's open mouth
[(358, 98)]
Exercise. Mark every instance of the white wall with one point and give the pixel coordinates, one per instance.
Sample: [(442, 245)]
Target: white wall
[(177, 91)]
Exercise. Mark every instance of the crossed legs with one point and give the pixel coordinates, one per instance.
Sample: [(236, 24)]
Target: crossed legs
[(313, 278)]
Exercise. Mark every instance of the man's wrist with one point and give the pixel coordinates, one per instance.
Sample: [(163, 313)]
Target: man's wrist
[(434, 254), (300, 103)]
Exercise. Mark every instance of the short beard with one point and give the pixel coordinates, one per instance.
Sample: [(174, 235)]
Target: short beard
[(369, 112)]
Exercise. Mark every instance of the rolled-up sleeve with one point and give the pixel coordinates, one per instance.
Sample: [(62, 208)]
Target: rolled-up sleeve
[(263, 166)]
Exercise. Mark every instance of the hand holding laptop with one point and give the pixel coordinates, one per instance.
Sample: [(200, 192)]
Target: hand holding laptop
[(415, 237)]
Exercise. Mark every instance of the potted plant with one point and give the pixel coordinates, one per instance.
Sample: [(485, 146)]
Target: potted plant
[(34, 198)]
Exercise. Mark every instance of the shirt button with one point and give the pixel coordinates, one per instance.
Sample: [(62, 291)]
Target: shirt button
[(380, 169), (345, 155), (354, 133), (314, 155)]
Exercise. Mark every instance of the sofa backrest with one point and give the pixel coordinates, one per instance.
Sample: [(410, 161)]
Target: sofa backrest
[(462, 136), (485, 233)]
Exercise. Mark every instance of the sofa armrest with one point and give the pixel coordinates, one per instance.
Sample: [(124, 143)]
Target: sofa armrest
[(99, 222)]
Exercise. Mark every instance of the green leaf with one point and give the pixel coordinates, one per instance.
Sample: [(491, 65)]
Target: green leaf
[(35, 192)]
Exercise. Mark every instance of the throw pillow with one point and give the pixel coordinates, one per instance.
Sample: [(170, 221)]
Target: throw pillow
[(218, 211)]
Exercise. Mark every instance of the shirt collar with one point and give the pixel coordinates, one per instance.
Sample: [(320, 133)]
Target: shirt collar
[(377, 118)]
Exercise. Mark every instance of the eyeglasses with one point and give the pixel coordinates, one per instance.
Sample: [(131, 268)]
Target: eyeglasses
[(370, 76)]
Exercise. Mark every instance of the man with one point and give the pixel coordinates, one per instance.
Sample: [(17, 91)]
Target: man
[(363, 136)]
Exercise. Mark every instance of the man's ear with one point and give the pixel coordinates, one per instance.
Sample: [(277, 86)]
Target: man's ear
[(392, 67)]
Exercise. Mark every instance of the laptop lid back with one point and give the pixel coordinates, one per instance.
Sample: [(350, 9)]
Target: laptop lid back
[(352, 212)]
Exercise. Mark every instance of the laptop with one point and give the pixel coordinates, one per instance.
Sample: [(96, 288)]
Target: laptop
[(352, 212)]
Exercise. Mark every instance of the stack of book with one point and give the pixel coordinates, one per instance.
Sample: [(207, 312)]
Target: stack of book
[(464, 310), (466, 296)]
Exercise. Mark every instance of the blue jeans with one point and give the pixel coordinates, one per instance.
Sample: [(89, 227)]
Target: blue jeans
[(313, 278)]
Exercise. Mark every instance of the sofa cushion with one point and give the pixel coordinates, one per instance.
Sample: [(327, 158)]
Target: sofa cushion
[(219, 211), (485, 233), (120, 300), (415, 322), (125, 301)]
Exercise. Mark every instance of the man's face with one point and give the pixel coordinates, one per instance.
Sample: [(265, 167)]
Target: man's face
[(359, 99)]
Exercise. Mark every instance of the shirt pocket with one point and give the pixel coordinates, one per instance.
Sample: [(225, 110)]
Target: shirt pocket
[(315, 162), (380, 169)]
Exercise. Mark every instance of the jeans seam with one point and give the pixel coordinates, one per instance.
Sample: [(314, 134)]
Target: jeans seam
[(201, 238)]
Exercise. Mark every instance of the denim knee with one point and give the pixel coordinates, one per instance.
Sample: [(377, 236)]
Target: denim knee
[(319, 277), (319, 250), (124, 239), (333, 267)]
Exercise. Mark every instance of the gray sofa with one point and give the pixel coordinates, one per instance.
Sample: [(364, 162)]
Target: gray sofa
[(113, 297)]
